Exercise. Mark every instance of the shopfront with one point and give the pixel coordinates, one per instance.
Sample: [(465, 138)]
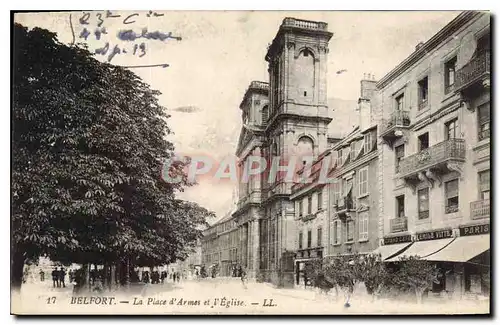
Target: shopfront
[(463, 260)]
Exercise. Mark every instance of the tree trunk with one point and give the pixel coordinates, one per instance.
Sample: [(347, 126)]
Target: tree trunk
[(113, 277), (17, 266), (419, 293)]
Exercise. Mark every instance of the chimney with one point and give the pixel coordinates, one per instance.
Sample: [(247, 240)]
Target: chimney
[(368, 86), (419, 45), (368, 89)]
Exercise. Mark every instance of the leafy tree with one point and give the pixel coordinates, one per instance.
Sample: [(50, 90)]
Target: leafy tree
[(416, 275), (88, 147), (346, 271), (315, 272), (375, 274)]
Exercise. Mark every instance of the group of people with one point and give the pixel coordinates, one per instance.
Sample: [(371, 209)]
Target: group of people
[(58, 277)]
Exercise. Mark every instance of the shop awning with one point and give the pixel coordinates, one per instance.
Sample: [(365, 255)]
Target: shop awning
[(422, 249), (462, 249), (387, 251)]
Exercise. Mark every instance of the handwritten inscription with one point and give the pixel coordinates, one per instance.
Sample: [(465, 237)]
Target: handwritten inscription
[(97, 25)]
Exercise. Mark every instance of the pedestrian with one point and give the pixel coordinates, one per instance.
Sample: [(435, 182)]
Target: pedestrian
[(62, 275), (93, 275), (244, 278), (42, 275), (55, 277)]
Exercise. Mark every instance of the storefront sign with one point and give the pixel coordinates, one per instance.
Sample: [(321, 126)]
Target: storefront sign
[(397, 239), (474, 230), (436, 234)]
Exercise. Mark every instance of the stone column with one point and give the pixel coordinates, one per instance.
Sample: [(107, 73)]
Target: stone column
[(253, 247)]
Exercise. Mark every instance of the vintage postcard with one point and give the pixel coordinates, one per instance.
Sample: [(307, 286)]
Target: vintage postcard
[(251, 162)]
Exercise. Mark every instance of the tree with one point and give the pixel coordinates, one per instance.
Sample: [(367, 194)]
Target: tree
[(315, 272), (375, 274), (416, 274), (346, 271), (88, 148)]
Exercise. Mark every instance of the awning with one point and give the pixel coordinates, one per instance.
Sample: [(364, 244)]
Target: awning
[(387, 251), (422, 249), (462, 249)]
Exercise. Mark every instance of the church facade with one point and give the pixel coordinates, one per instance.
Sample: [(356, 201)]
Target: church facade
[(286, 118)]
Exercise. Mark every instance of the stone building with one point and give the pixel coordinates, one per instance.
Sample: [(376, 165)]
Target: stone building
[(220, 246), (353, 193), (339, 215), (287, 118), (434, 153)]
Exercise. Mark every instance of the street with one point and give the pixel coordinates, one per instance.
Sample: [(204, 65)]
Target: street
[(223, 296)]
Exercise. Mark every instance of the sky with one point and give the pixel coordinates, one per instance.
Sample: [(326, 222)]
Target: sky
[(219, 55)]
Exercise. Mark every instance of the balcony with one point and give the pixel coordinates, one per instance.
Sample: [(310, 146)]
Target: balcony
[(429, 164), (399, 224), (345, 207), (480, 209), (474, 76), (392, 128)]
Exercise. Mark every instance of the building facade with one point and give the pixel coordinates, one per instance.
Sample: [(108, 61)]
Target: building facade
[(434, 154), (412, 178), (220, 247), (292, 119)]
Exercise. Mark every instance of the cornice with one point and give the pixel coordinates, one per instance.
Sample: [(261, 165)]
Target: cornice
[(353, 165), (428, 46)]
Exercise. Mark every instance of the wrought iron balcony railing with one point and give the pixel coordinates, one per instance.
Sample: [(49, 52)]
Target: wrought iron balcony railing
[(480, 209), (399, 224), (473, 71), (345, 204), (443, 152), (397, 120)]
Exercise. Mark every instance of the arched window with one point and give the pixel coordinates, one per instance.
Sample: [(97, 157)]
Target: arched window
[(305, 74), (265, 115), (305, 148)]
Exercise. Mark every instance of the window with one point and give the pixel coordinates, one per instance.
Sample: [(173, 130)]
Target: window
[(483, 118), (309, 238), (336, 232), (301, 207), (451, 129), (451, 194), (423, 141), (367, 143), (339, 158), (400, 102), (337, 191), (353, 150), (265, 115), (400, 154), (484, 185), (363, 226), (320, 200), (301, 235), (309, 204), (320, 236), (363, 181), (423, 92), (449, 74), (423, 203), (400, 206), (349, 231)]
